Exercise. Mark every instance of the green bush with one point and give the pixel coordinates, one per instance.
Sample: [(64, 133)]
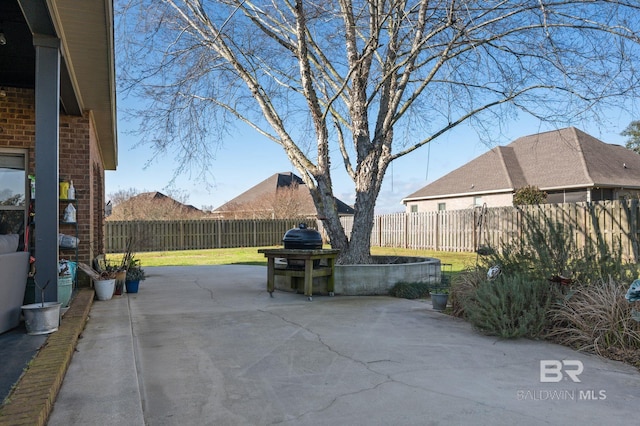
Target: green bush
[(529, 195), (547, 248), (510, 306), (408, 290)]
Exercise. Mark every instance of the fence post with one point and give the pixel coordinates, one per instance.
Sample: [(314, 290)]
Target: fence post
[(406, 230), (437, 239)]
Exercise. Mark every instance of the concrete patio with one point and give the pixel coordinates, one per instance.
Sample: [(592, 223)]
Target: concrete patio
[(207, 345)]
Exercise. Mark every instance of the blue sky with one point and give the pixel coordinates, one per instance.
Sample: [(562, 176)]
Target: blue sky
[(248, 158)]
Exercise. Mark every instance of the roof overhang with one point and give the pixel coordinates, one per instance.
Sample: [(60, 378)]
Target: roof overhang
[(512, 190), (86, 31)]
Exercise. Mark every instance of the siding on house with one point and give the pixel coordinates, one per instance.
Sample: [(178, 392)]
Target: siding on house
[(461, 203)]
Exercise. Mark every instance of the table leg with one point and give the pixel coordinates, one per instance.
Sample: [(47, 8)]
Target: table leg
[(331, 282), (271, 269), (308, 278)]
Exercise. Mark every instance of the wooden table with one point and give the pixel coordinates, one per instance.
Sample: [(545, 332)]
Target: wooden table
[(308, 273)]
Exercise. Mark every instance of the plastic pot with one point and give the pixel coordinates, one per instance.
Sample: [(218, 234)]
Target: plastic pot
[(439, 301), (132, 286), (104, 288)]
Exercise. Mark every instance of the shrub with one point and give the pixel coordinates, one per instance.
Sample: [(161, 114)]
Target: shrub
[(549, 248), (529, 195), (510, 306), (413, 290), (463, 287), (598, 319)]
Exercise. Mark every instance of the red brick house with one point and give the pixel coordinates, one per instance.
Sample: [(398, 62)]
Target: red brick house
[(57, 122)]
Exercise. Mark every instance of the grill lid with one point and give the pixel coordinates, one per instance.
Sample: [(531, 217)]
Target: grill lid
[(302, 238)]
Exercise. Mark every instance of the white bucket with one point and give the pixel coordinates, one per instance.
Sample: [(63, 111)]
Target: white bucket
[(104, 288)]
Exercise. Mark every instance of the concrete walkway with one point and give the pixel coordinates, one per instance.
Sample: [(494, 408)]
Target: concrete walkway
[(206, 345)]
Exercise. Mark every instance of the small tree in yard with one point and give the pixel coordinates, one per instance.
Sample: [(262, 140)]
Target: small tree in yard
[(529, 195), (366, 81), (633, 132)]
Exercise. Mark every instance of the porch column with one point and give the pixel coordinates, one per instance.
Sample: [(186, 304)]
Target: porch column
[(47, 108)]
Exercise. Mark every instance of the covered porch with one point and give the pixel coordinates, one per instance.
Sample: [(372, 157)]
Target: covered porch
[(57, 124)]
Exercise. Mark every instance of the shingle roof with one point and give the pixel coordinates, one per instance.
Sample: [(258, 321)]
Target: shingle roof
[(155, 195), (565, 158), (270, 185)]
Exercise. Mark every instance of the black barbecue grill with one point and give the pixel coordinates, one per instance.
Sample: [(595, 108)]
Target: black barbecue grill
[(302, 238)]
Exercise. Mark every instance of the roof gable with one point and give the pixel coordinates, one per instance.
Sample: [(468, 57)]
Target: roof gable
[(270, 186), (551, 160)]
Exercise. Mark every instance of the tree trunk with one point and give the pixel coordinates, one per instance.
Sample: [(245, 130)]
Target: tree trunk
[(356, 248)]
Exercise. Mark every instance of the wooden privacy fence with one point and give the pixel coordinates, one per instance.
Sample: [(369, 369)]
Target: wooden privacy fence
[(614, 223), (168, 235)]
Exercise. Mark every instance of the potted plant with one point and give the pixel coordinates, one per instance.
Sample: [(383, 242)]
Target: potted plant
[(43, 317), (121, 269), (120, 277), (135, 274), (105, 283), (439, 298), (103, 276)]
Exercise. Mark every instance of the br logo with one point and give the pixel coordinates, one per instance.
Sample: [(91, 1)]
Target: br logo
[(553, 370)]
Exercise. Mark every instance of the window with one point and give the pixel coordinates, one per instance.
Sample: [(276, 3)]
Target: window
[(13, 191), (477, 201), (565, 196), (442, 207), (414, 208)]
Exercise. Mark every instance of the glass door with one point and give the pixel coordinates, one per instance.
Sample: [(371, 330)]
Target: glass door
[(13, 192)]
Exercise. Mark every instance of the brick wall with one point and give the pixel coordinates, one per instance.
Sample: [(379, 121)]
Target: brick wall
[(79, 160)]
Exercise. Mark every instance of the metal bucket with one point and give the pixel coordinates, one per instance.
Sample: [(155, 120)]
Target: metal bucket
[(439, 301), (41, 318)]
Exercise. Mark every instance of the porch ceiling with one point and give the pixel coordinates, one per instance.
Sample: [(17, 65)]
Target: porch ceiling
[(87, 75)]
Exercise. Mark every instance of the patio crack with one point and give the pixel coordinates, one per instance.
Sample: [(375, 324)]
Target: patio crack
[(386, 378), (365, 364), (210, 291)]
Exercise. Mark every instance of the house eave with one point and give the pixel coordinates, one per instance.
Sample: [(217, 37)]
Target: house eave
[(86, 29), (457, 195)]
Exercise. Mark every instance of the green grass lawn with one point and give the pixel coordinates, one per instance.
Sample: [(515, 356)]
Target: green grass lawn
[(250, 256)]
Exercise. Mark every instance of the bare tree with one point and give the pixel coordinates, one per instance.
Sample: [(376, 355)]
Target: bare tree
[(368, 81), (150, 206), (122, 195)]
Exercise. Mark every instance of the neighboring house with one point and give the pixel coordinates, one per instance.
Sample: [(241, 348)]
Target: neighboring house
[(279, 196), (153, 206), (57, 122), (568, 164)]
